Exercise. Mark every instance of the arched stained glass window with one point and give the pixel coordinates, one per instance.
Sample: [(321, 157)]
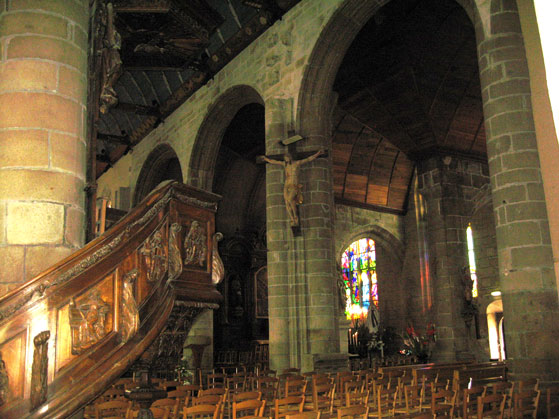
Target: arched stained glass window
[(360, 277)]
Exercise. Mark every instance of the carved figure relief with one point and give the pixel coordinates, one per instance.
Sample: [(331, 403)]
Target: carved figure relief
[(218, 270), (175, 260), (88, 321), (112, 63), (130, 317), (4, 382), (154, 257), (39, 369), (195, 245)]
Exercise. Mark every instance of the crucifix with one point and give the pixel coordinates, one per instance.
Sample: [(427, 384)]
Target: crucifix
[(292, 189)]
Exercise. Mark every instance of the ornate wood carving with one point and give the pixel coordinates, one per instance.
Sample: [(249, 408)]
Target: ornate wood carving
[(218, 270), (112, 64), (130, 317), (4, 382), (195, 245), (39, 369), (166, 351), (175, 260), (88, 321), (154, 256)]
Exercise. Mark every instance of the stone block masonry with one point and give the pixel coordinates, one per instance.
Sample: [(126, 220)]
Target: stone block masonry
[(43, 83)]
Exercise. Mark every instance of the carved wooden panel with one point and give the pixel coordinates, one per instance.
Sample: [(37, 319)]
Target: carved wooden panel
[(85, 320), (14, 357)]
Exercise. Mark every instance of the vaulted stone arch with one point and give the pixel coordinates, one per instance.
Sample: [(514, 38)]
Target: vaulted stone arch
[(208, 140)]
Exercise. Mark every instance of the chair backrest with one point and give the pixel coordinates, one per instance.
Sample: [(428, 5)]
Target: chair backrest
[(311, 414), (526, 403), (208, 411), (469, 400), (295, 385), (111, 409), (323, 396), (353, 412), (413, 396), (492, 406), (443, 402), (171, 405), (215, 380), (288, 405), (252, 407), (215, 391), (529, 384), (207, 399), (357, 397), (247, 395)]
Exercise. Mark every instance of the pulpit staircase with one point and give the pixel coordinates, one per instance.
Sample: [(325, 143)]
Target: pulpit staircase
[(68, 333)]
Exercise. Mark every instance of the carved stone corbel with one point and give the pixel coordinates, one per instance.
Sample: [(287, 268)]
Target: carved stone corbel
[(39, 370), (130, 317), (175, 260)]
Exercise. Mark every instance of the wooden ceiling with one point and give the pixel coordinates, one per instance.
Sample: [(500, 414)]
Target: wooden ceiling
[(408, 87), (169, 49)]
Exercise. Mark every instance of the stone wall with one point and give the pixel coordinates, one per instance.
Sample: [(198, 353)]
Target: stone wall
[(43, 89)]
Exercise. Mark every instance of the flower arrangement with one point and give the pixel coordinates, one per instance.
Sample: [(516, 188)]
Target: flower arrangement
[(420, 344)]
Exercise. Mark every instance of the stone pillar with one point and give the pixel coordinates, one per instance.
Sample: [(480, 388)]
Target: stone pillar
[(448, 184), (526, 272), (43, 91), (302, 305)]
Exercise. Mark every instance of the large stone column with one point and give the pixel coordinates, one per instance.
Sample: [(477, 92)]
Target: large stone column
[(302, 305), (525, 256), (448, 184), (43, 91)]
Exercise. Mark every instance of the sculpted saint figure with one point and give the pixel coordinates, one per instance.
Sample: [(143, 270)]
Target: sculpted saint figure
[(292, 188)]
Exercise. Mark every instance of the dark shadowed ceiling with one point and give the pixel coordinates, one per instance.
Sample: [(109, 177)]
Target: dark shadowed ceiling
[(408, 87)]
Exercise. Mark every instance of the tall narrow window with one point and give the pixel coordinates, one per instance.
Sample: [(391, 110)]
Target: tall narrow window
[(472, 259), (360, 277)]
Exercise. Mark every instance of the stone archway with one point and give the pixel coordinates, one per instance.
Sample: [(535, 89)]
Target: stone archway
[(161, 164), (208, 140), (512, 149)]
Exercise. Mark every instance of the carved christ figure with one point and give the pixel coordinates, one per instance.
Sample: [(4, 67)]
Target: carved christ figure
[(292, 188)]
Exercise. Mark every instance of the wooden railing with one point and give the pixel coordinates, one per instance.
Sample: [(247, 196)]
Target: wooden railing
[(68, 333)]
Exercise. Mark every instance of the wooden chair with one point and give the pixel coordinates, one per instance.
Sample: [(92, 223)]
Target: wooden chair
[(526, 404), (215, 391), (469, 401), (202, 411), (353, 412), (157, 412), (169, 385), (215, 380), (247, 395), (248, 408), (356, 396), (413, 396), (295, 385), (443, 403), (207, 399), (113, 409), (491, 406), (171, 405), (311, 414), (323, 397), (552, 401), (384, 402), (288, 405), (181, 396)]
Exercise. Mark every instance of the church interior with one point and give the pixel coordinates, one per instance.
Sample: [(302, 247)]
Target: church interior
[(345, 202)]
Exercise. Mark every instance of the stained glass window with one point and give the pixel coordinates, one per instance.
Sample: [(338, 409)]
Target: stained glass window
[(472, 260), (360, 278)]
